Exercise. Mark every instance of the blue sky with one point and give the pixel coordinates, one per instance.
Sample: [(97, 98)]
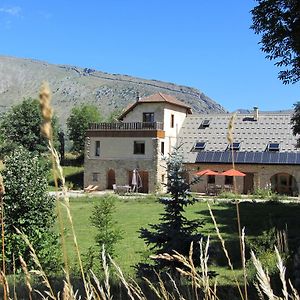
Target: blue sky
[(204, 44)]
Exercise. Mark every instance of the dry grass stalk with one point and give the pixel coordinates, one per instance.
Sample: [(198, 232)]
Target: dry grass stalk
[(27, 276), (243, 256), (282, 270), (230, 140), (263, 279), (2, 192), (14, 276), (225, 250), (46, 129), (295, 294), (132, 288), (3, 279), (40, 272)]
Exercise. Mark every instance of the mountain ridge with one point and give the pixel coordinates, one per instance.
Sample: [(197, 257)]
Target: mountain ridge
[(71, 85)]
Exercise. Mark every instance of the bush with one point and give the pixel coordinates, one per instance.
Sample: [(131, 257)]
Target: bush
[(29, 208)]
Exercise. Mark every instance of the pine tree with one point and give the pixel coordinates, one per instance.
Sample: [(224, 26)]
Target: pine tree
[(174, 232)]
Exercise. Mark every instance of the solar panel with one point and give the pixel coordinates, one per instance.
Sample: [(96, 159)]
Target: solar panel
[(274, 158), (249, 157)]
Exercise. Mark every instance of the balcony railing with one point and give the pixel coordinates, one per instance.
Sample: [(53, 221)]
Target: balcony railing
[(127, 126)]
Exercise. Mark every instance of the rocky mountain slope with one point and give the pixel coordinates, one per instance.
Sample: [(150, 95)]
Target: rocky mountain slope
[(70, 85)]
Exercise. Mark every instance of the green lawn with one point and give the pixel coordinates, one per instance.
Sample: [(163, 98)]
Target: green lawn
[(133, 214), (73, 176)]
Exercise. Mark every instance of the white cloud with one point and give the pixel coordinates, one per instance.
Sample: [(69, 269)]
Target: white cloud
[(13, 11)]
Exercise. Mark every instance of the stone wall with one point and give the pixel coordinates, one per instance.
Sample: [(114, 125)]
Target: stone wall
[(262, 174)]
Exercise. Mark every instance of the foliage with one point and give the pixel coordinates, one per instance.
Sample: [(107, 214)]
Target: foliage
[(174, 232), (113, 115), (107, 232), (21, 126), (263, 247), (266, 194), (229, 195), (29, 208), (78, 122), (295, 121), (278, 21)]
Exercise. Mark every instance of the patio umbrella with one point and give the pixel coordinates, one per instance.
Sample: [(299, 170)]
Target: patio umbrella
[(233, 172), (206, 172), (134, 181)]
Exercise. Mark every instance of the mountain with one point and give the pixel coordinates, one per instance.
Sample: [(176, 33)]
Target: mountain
[(70, 85)]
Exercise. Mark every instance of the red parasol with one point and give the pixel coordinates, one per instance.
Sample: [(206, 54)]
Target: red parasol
[(233, 172), (206, 172)]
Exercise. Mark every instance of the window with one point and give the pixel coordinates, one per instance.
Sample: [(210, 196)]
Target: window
[(273, 147), (229, 180), (138, 147), (162, 148), (172, 121), (148, 117), (205, 123), (199, 146), (234, 146), (97, 148), (163, 178), (95, 176), (211, 179)]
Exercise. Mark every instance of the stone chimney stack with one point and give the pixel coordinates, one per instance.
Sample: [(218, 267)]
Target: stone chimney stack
[(255, 113), (137, 96)]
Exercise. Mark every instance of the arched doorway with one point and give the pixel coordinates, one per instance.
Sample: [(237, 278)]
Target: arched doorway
[(284, 183), (111, 179)]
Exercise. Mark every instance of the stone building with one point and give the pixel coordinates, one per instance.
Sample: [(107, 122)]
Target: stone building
[(147, 131), (264, 147)]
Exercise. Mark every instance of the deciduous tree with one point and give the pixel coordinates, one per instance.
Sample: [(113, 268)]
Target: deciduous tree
[(278, 22), (21, 126), (78, 123)]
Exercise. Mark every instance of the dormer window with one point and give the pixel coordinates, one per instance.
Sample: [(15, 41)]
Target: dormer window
[(273, 147), (205, 123), (148, 117), (234, 146), (199, 146)]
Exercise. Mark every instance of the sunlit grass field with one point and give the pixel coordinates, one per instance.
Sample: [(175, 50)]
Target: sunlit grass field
[(132, 214)]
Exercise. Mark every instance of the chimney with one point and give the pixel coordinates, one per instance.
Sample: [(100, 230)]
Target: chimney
[(137, 96), (255, 113)]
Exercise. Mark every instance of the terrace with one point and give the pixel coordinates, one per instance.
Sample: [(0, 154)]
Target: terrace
[(130, 126)]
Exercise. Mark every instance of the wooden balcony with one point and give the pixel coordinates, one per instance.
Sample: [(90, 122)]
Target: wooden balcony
[(132, 126), (130, 129)]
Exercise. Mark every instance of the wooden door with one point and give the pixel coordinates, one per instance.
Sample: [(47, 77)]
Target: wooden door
[(143, 180), (248, 183), (111, 179)]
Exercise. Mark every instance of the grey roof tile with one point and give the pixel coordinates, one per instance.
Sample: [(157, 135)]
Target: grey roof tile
[(253, 135)]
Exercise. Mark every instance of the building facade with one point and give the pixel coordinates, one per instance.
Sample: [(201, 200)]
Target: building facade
[(146, 133), (264, 147)]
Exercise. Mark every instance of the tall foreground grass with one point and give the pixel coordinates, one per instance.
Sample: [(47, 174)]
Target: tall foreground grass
[(191, 282)]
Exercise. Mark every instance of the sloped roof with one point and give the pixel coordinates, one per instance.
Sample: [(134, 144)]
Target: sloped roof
[(253, 136), (156, 98)]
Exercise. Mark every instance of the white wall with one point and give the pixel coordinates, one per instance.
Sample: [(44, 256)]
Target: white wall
[(120, 148), (136, 115)]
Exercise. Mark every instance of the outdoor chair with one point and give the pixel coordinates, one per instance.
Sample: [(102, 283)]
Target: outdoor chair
[(87, 189)]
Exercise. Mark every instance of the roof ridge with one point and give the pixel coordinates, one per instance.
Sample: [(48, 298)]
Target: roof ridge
[(162, 95)]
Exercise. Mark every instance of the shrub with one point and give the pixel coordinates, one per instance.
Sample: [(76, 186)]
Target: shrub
[(29, 208)]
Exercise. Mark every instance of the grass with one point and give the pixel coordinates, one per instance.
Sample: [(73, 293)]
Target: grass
[(133, 214), (73, 176)]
